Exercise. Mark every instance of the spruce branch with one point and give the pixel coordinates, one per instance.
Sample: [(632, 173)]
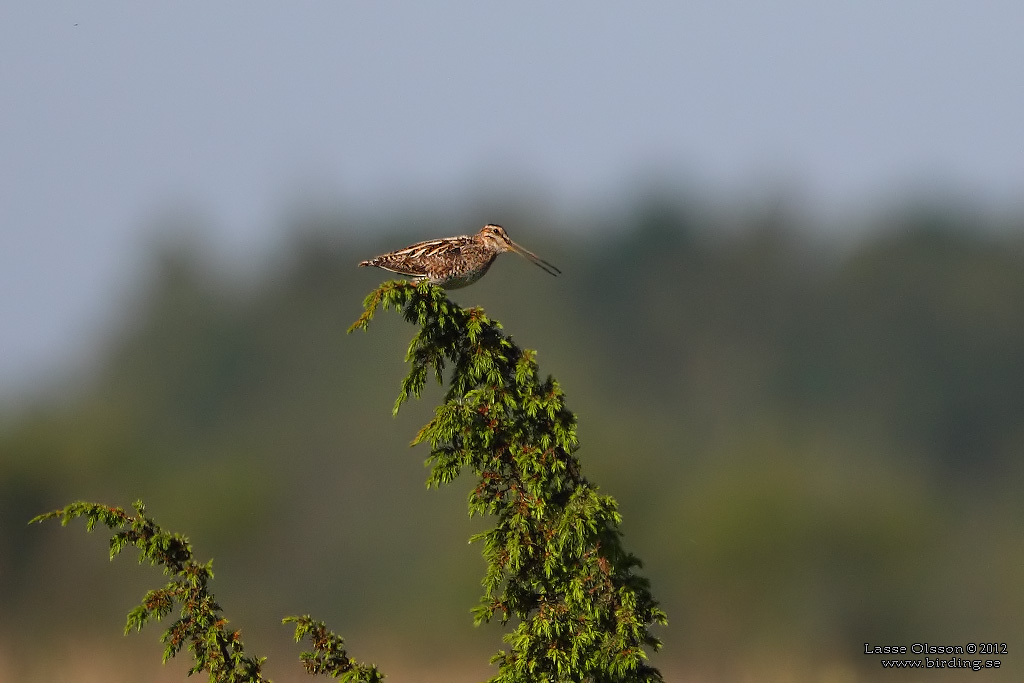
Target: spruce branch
[(555, 560)]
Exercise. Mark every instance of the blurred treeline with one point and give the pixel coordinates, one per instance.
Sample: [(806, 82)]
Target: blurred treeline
[(815, 443)]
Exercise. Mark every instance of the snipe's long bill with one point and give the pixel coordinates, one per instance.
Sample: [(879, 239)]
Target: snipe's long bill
[(454, 262)]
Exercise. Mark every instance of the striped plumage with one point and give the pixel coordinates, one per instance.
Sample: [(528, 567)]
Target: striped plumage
[(454, 262)]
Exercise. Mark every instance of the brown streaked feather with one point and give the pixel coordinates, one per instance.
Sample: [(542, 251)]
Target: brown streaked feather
[(422, 258), (442, 248)]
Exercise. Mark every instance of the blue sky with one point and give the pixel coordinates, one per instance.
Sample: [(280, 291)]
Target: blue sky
[(113, 111)]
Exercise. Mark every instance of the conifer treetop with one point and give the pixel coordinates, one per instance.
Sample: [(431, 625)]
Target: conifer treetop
[(556, 566)]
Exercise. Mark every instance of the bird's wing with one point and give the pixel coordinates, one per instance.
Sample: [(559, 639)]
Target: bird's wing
[(416, 259)]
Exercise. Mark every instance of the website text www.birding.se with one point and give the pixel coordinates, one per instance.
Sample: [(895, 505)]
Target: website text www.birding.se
[(971, 656)]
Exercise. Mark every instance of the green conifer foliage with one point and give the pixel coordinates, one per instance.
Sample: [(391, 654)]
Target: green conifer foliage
[(556, 567), (555, 562), (329, 656), (201, 625), (216, 650)]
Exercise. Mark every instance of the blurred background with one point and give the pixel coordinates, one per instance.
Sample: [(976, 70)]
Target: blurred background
[(790, 320)]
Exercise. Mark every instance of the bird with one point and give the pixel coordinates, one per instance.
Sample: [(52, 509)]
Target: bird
[(454, 262)]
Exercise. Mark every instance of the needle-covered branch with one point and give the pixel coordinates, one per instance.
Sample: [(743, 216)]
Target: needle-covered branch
[(216, 650), (201, 625), (555, 561), (328, 656)]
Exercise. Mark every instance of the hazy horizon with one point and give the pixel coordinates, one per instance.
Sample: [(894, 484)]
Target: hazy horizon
[(114, 115)]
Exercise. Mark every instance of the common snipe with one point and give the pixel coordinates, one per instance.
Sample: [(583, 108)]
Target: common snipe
[(454, 262)]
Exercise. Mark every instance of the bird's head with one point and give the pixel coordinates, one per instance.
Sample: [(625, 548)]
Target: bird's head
[(495, 237)]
